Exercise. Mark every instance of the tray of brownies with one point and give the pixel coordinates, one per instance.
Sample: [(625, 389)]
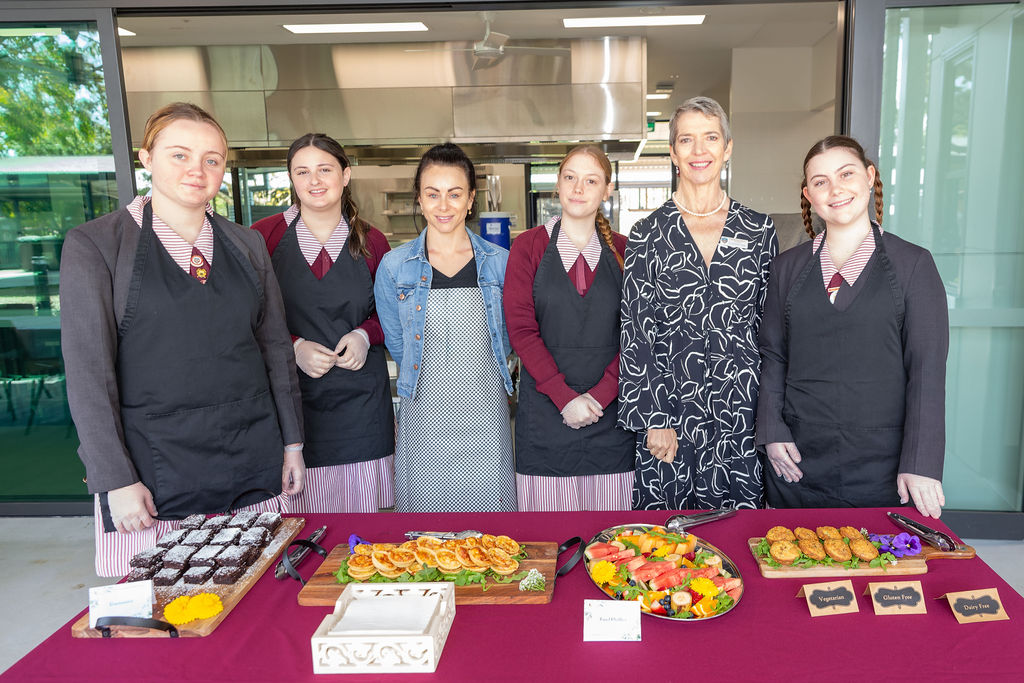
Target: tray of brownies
[(201, 571)]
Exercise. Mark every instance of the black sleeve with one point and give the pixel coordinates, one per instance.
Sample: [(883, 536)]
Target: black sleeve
[(774, 362)]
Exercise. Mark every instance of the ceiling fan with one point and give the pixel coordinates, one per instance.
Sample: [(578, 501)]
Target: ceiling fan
[(491, 48)]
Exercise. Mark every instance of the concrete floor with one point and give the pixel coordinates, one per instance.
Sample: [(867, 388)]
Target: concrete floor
[(32, 576)]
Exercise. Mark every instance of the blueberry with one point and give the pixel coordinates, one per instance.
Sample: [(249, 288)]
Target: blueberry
[(670, 612), (632, 582)]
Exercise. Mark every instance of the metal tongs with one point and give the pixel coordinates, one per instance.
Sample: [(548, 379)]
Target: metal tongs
[(933, 537), (444, 535), (683, 522)]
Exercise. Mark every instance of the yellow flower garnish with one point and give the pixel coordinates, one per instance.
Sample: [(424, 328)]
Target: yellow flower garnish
[(185, 609), (177, 612), (603, 572), (205, 605), (705, 587)]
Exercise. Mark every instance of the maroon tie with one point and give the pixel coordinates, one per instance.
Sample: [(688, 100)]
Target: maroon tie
[(322, 264), (198, 266), (579, 275), (833, 287)]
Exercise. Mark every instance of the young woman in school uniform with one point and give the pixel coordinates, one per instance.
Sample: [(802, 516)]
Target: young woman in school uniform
[(179, 369), (563, 290), (853, 352), (325, 257), (439, 300)]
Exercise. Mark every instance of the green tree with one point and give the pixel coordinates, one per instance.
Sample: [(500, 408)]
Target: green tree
[(52, 100)]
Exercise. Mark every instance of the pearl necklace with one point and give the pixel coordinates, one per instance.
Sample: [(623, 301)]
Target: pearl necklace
[(713, 211)]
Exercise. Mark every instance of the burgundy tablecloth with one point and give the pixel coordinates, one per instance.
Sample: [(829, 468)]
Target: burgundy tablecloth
[(768, 636)]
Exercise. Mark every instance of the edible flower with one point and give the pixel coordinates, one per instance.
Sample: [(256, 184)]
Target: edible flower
[(176, 611), (602, 572), (900, 545), (704, 586), (184, 609)]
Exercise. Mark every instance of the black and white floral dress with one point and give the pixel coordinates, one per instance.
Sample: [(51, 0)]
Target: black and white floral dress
[(690, 357)]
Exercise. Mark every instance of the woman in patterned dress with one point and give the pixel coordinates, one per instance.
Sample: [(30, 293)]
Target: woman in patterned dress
[(853, 349), (693, 290), (439, 301), (325, 257), (562, 304)]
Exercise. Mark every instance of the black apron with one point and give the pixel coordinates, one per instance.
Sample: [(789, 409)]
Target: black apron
[(845, 390), (582, 335), (199, 419), (348, 415)]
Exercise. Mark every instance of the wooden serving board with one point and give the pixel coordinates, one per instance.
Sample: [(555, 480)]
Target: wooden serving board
[(323, 589), (229, 594), (917, 564)]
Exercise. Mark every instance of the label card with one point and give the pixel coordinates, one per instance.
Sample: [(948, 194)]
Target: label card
[(897, 597), (970, 607), (132, 599), (834, 597), (611, 620)]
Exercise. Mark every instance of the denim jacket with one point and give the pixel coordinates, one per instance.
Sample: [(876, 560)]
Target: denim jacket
[(400, 293)]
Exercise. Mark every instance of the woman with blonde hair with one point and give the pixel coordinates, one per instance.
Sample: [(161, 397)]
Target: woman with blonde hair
[(180, 375), (853, 352), (562, 295)]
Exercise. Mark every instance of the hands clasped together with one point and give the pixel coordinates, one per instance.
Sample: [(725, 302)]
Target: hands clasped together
[(316, 359), (582, 411)]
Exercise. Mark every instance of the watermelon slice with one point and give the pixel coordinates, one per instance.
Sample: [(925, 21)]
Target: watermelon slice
[(597, 551), (621, 555)]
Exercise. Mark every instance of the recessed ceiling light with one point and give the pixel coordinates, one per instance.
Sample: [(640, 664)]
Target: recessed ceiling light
[(657, 96), (654, 113), (394, 26), (123, 32), (608, 22)]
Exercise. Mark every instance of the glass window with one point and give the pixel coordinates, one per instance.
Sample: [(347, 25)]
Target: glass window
[(56, 171), (952, 159)]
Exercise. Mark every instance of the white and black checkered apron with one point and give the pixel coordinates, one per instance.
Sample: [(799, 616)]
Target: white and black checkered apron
[(454, 450)]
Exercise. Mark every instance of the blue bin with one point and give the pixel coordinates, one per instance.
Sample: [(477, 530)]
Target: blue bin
[(495, 227)]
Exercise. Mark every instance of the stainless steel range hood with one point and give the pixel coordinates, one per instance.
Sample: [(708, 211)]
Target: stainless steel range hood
[(373, 95)]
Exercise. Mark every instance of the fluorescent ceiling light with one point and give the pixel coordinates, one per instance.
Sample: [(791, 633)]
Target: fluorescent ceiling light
[(657, 96), (123, 32), (612, 22), (654, 113), (394, 26)]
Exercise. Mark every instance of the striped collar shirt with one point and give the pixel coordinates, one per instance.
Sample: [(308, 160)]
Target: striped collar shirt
[(568, 252), (854, 265), (309, 244), (175, 244)]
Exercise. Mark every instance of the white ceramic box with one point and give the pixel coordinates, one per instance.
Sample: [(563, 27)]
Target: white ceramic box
[(385, 628)]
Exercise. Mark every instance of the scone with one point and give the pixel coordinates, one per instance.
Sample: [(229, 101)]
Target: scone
[(784, 552), (827, 532), (837, 549), (812, 548), (864, 550), (779, 533), (850, 533), (803, 533)]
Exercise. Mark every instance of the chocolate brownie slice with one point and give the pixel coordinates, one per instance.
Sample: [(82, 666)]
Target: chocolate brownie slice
[(198, 574), (234, 556), (217, 523), (205, 556), (243, 519), (193, 522), (172, 538), (140, 574), (226, 537), (269, 521), (166, 576), (256, 537), (228, 575), (198, 537), (178, 556), (148, 558)]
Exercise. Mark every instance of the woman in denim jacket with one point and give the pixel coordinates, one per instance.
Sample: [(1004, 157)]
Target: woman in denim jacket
[(439, 302)]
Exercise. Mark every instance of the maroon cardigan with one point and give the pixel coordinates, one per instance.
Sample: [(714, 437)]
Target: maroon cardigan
[(273, 228), (524, 331)]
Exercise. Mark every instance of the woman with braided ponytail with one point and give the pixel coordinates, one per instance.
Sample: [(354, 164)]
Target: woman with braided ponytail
[(853, 352), (563, 287), (326, 257)]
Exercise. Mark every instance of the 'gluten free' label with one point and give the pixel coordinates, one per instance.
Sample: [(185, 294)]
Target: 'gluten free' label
[(977, 605), (897, 597), (825, 599)]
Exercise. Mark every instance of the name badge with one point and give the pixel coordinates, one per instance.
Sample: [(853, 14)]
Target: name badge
[(734, 242), (897, 597), (611, 620), (976, 606), (825, 599)]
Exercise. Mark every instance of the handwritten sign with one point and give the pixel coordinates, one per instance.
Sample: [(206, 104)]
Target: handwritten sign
[(978, 605), (897, 597), (132, 599), (834, 597), (611, 620)]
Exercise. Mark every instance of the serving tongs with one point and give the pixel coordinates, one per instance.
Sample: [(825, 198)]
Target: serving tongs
[(933, 537), (444, 535), (683, 522)]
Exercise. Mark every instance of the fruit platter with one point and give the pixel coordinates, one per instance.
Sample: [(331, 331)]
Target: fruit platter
[(673, 575)]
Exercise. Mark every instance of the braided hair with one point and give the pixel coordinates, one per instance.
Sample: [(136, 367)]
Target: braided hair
[(843, 142), (604, 227), (358, 228)]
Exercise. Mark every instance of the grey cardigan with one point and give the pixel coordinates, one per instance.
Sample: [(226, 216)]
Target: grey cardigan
[(96, 268)]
